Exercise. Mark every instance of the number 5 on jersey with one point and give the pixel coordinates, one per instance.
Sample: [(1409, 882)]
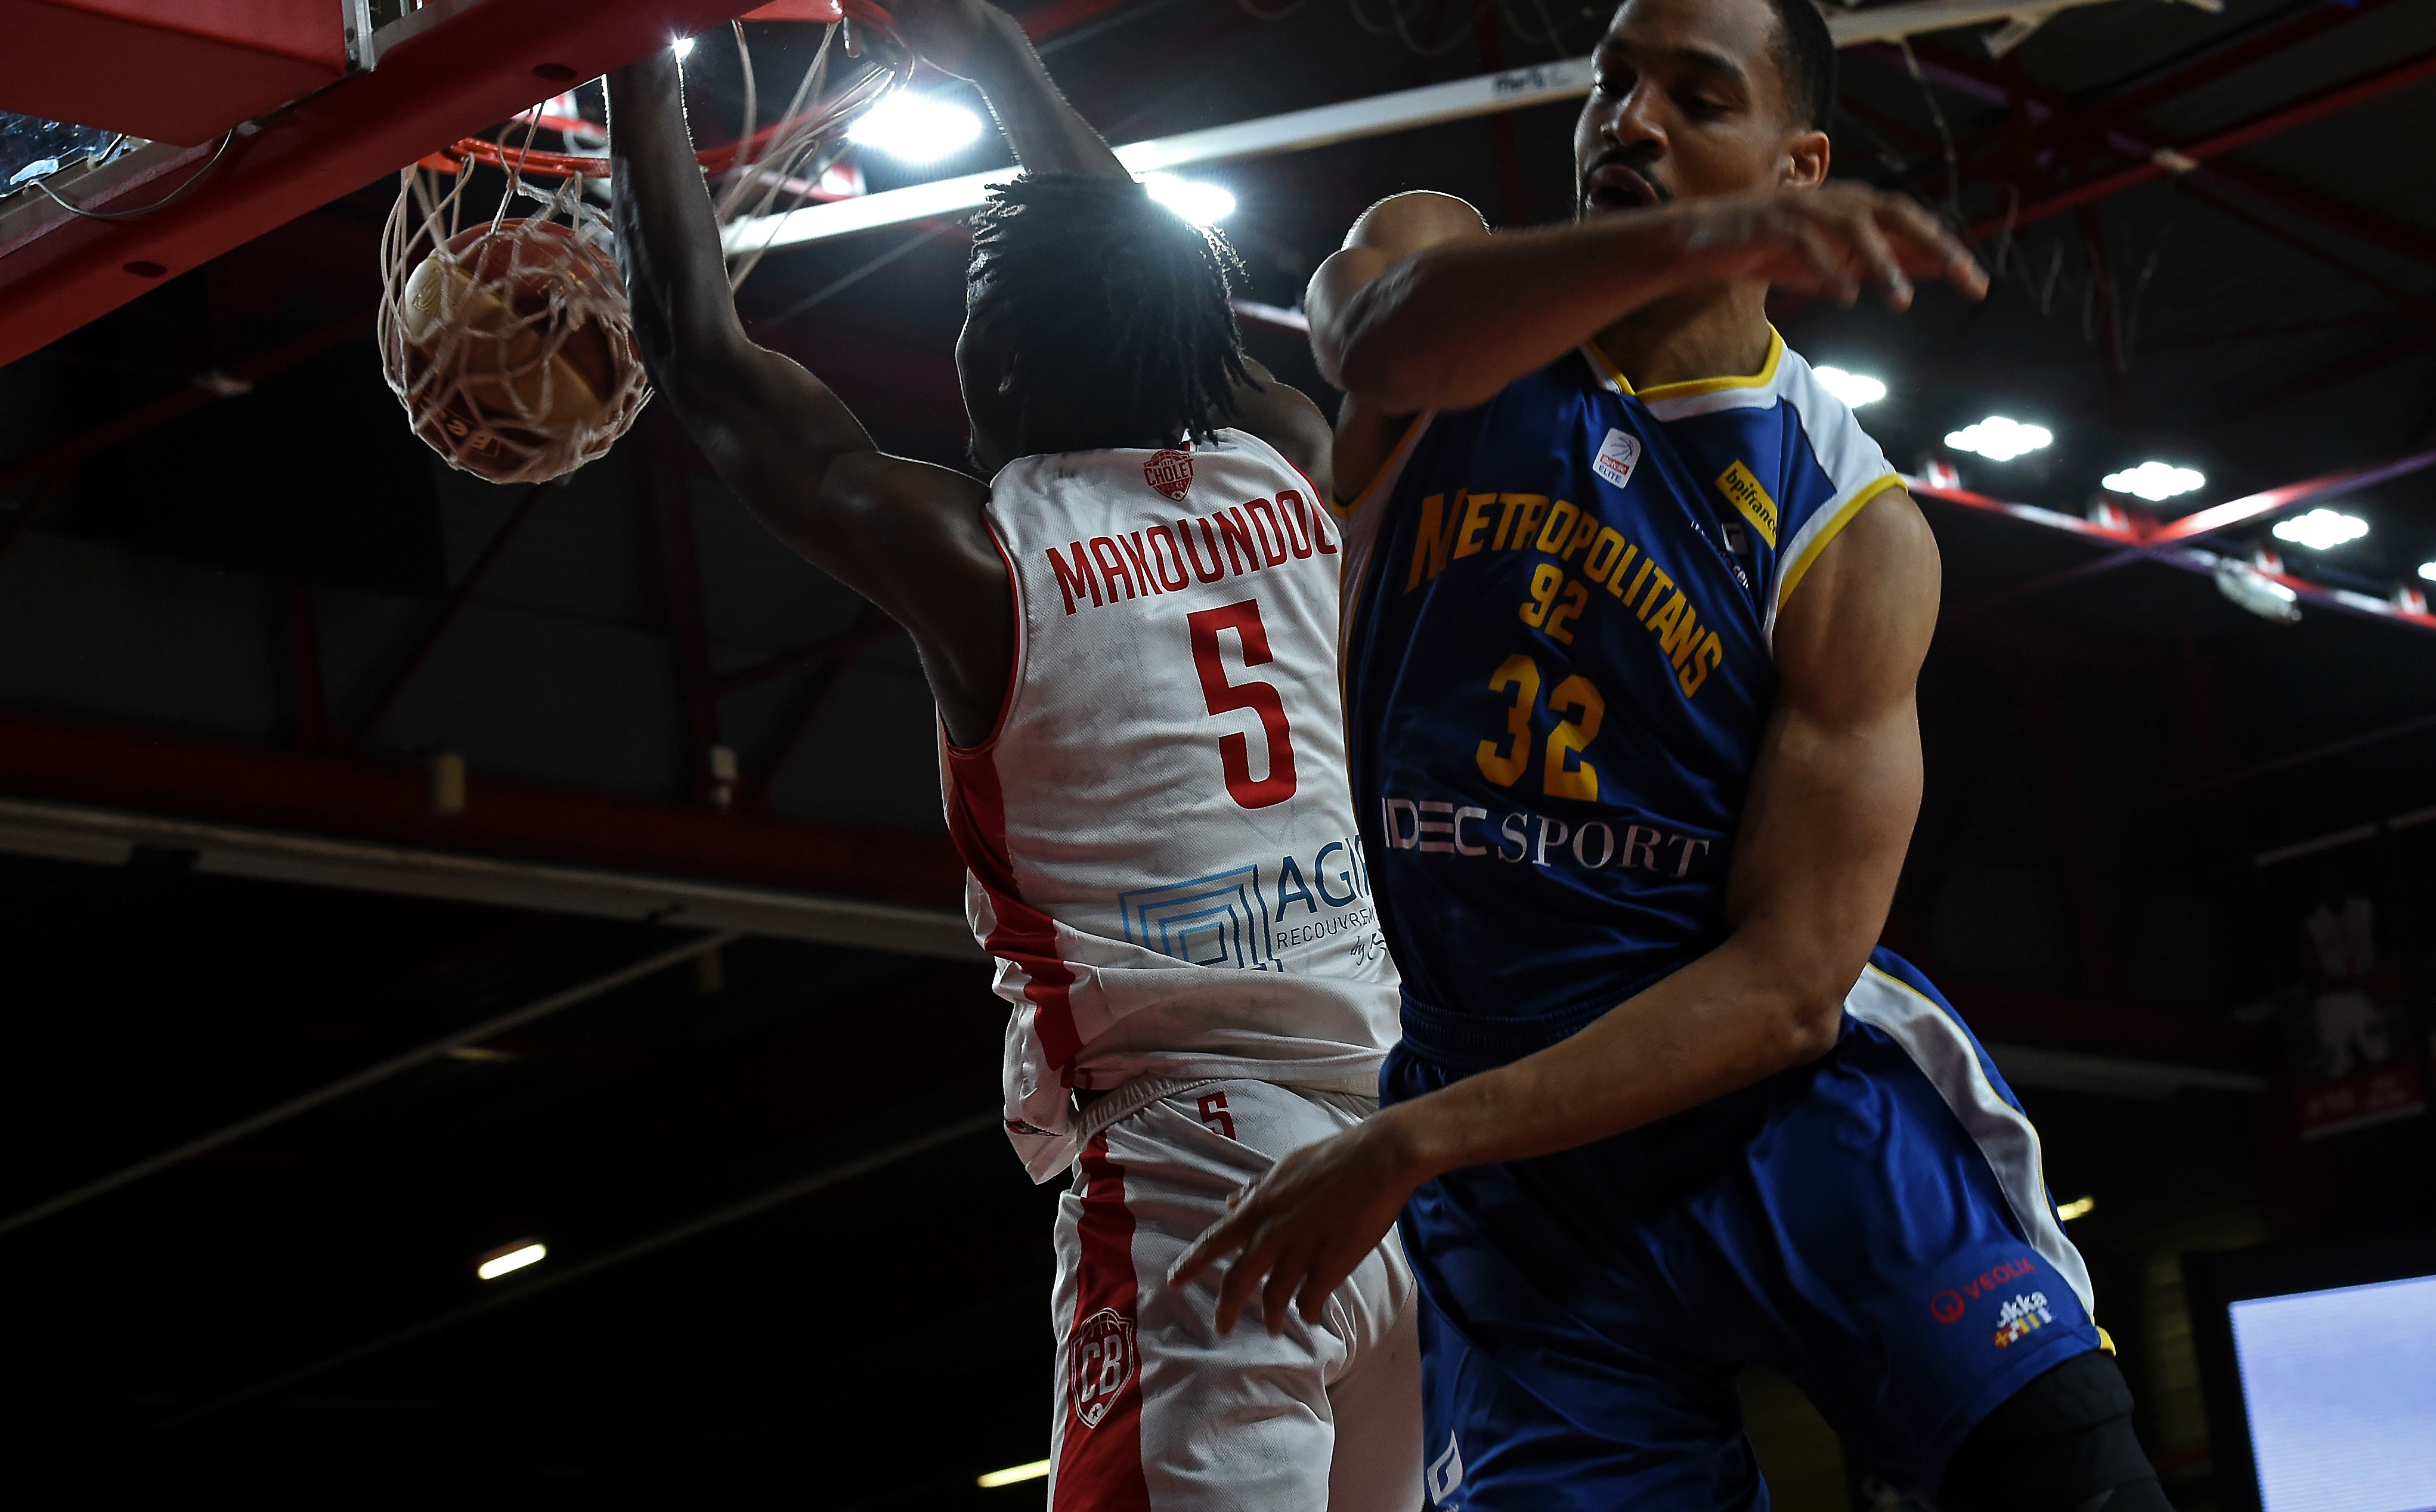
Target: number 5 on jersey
[(1234, 750)]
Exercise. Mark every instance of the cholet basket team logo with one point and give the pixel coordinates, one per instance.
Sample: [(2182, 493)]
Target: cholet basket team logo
[(1171, 473), (1102, 1362)]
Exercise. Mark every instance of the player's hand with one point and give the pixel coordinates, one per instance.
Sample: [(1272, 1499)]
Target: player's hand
[(959, 36), (1833, 240), (1299, 1231)]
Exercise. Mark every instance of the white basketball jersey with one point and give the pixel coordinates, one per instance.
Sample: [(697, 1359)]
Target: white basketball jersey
[(1159, 833)]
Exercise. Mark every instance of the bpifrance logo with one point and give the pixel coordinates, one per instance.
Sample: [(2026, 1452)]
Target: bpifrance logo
[(1948, 1305), (2023, 1314), (1102, 1363), (1171, 473)]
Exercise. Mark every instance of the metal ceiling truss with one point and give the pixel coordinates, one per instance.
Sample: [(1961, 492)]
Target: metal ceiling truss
[(2174, 543)]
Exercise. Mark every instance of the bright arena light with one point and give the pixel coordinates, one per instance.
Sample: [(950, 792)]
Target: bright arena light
[(915, 127), (1203, 204), (2321, 530), (683, 47), (2427, 570), (1855, 389), (2078, 1208), (1998, 439), (2154, 480), (1037, 1469), (515, 1260)]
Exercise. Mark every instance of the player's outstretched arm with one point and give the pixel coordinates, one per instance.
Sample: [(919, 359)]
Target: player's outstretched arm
[(980, 43), (907, 535), (1424, 309), (1822, 840)]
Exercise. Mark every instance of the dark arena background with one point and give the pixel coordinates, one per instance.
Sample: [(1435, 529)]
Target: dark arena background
[(399, 871)]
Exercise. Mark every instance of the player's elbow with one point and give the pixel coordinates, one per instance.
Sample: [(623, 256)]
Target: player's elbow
[(1807, 1004), (1808, 1024)]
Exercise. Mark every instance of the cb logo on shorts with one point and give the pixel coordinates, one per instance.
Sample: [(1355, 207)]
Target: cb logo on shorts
[(1102, 1362)]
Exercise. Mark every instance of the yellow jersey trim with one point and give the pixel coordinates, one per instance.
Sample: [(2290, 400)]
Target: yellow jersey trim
[(1604, 367), (2105, 1339), (1794, 570)]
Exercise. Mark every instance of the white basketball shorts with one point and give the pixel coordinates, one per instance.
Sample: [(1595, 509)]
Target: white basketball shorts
[(1156, 1410)]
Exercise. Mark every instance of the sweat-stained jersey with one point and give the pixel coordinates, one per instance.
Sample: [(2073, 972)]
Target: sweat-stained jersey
[(1160, 838), (1557, 668)]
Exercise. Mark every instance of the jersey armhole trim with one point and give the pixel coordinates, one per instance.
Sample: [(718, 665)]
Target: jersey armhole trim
[(1015, 662), (1344, 509), (1822, 528), (1360, 534)]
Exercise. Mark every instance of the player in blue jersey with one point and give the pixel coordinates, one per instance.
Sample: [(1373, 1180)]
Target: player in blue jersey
[(1635, 612)]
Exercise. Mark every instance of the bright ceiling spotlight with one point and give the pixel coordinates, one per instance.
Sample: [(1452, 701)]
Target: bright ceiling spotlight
[(2155, 482), (1013, 1475), (1855, 389), (915, 127), (500, 1263), (1203, 204), (1998, 439), (2321, 530), (2078, 1208), (683, 47), (2427, 570)]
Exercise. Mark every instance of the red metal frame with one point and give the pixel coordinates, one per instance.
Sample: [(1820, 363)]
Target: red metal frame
[(450, 81), (180, 71), (382, 801)]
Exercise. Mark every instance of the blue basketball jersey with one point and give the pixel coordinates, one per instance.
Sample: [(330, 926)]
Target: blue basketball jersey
[(1557, 655)]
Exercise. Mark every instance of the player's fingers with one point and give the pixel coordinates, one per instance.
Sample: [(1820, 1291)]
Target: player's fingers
[(1242, 1278), (1221, 1238), (1321, 1285), (1828, 270), (1930, 247), (1870, 245), (1285, 1279)]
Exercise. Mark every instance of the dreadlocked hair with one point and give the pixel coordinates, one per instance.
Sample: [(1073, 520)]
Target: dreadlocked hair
[(1115, 308)]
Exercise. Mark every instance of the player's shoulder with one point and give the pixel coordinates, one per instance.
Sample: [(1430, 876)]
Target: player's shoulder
[(1785, 413)]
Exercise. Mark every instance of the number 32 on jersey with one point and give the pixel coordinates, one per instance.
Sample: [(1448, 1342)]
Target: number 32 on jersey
[(1580, 707)]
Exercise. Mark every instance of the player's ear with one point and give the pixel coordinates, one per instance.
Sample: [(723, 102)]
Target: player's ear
[(1806, 159)]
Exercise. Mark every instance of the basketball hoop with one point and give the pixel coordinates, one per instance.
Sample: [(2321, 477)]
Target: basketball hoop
[(509, 339)]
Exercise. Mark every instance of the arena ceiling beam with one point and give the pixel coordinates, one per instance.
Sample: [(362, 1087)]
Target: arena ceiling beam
[(2182, 158), (456, 70), (377, 825), (1983, 82), (2173, 543)]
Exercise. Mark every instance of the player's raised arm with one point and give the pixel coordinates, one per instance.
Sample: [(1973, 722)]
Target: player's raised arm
[(985, 44), (906, 535), (1828, 819), (982, 44)]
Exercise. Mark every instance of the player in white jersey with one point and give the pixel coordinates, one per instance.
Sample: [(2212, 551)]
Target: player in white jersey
[(1131, 635)]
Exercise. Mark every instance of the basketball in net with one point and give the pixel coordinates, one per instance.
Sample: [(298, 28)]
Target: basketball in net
[(510, 341)]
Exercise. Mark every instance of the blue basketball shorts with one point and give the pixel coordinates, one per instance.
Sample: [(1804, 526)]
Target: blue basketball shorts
[(1875, 1226)]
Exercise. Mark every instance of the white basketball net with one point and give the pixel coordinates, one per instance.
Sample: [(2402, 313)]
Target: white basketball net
[(510, 344), (512, 349)]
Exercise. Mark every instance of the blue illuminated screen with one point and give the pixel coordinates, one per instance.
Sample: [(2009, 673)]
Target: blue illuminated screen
[(2340, 1389)]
